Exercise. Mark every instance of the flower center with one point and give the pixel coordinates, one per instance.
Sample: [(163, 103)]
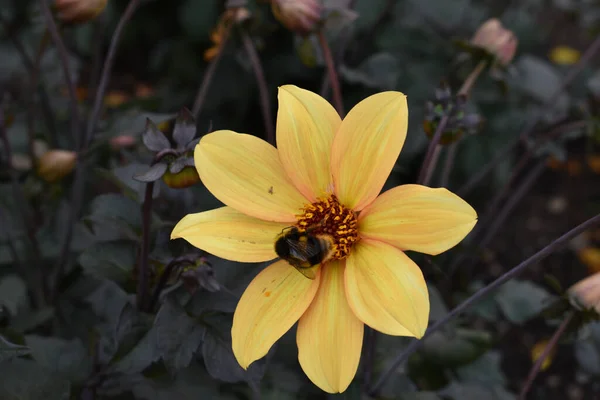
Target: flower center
[(328, 217)]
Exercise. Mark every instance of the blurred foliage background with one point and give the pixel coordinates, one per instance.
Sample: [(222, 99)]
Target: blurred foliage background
[(73, 228)]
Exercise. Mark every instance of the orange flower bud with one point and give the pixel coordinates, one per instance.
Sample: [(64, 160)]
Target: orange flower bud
[(494, 38), (586, 292), (56, 164), (300, 16), (183, 179), (78, 11), (122, 142)]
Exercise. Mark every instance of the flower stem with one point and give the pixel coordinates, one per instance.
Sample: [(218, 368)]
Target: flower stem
[(164, 278), (331, 71), (142, 284), (64, 61), (481, 293), (533, 121), (467, 85), (79, 179), (433, 153), (209, 74), (549, 346), (448, 164), (21, 204), (262, 85)]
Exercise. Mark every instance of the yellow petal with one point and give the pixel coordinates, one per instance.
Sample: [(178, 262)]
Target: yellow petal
[(366, 147), (386, 289), (418, 218), (245, 173), (229, 234), (329, 334), (306, 125), (271, 304)]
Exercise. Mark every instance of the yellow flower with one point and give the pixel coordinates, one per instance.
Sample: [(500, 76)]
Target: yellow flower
[(564, 55), (328, 172), (56, 164)]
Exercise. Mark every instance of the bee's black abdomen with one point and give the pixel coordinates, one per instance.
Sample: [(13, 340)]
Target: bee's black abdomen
[(282, 248), (315, 259)]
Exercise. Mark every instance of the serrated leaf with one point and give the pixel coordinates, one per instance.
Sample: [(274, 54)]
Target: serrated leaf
[(520, 301), (152, 174), (175, 337), (27, 380), (185, 128), (13, 293), (66, 357), (218, 355), (110, 260), (9, 350), (154, 139)]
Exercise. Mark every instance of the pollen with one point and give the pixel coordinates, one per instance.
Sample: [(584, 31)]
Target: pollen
[(327, 216)]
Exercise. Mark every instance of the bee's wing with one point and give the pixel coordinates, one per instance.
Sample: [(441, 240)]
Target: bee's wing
[(310, 273), (302, 250)]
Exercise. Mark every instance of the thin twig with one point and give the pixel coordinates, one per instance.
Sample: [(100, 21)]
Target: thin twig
[(209, 73), (262, 85), (467, 85), (549, 346), (533, 121), (465, 260), (480, 294), (142, 273), (433, 152), (333, 76), (79, 179), (64, 61)]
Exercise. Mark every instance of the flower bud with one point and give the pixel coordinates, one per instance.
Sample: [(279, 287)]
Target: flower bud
[(79, 11), (586, 293), (122, 142), (56, 164), (300, 16), (497, 40), (187, 177)]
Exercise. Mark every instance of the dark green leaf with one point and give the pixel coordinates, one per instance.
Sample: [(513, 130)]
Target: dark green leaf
[(175, 337), (27, 380), (66, 357), (110, 260), (456, 348), (13, 293), (218, 355), (522, 300), (379, 71), (485, 370), (587, 348), (9, 350), (460, 391)]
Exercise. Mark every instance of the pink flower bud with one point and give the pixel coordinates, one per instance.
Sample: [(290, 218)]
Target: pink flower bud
[(497, 40)]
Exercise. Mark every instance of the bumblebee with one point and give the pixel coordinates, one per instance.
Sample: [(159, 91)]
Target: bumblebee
[(304, 250)]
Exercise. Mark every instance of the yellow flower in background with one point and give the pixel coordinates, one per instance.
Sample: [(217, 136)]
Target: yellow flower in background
[(324, 180), (56, 164), (564, 55), (538, 349)]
